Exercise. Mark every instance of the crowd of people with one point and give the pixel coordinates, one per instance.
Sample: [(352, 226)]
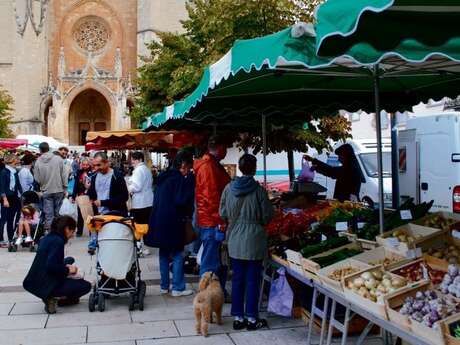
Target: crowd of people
[(227, 217)]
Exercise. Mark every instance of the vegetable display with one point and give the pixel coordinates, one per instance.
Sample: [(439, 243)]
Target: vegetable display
[(328, 244), (340, 273), (337, 256), (438, 222), (374, 284), (455, 330), (403, 236), (417, 271), (451, 281), (449, 253), (428, 308)]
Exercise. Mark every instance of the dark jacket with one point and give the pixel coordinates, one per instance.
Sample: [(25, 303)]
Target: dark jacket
[(79, 187), (172, 206), (48, 269), (5, 190), (118, 195), (348, 178)]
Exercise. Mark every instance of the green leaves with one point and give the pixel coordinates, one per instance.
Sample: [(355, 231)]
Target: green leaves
[(6, 103), (177, 61)]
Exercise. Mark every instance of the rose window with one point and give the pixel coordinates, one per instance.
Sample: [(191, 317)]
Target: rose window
[(91, 34)]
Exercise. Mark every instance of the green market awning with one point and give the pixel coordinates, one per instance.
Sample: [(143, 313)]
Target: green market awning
[(368, 30), (281, 74)]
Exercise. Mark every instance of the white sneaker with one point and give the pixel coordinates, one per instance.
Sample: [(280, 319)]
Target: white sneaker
[(181, 293), (164, 291), (18, 241), (29, 239)]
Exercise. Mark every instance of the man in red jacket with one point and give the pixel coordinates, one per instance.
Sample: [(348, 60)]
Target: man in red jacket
[(211, 179)]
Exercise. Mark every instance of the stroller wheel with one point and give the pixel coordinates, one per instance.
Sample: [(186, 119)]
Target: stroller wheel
[(92, 303), (132, 301), (141, 292), (101, 302)]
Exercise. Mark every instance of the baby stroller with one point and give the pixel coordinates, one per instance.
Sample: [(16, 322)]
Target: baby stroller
[(117, 263), (36, 230)]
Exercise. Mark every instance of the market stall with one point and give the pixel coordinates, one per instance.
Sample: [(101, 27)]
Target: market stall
[(7, 143)]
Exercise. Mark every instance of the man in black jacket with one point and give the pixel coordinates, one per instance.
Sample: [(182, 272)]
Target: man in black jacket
[(108, 191)]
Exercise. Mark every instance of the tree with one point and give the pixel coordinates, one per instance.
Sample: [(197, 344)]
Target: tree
[(177, 61), (6, 103)]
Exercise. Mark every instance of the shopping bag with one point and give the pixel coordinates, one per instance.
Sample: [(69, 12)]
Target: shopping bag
[(306, 174), (68, 209), (86, 209), (281, 296)]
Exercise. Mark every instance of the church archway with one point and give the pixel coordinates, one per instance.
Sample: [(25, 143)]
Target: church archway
[(89, 111)]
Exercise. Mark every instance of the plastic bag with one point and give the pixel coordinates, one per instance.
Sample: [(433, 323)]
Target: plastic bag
[(68, 209), (306, 174), (281, 296)]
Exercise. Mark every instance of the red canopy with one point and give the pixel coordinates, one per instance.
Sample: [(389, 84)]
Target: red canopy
[(6, 143)]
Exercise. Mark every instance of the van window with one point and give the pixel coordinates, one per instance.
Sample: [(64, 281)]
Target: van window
[(369, 161)]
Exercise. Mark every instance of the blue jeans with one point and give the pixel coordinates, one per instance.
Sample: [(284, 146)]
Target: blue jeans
[(178, 281), (210, 259), (246, 281)]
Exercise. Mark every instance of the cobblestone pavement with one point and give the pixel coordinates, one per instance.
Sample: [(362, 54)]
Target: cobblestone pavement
[(165, 320)]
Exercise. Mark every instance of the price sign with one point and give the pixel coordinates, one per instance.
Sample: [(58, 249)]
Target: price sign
[(406, 215), (393, 242), (456, 234), (341, 226), (314, 225), (414, 253), (425, 272), (361, 225)]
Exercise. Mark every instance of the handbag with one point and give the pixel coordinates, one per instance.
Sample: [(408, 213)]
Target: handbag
[(190, 234)]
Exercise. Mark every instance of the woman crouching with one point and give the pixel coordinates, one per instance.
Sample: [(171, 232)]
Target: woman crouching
[(52, 277)]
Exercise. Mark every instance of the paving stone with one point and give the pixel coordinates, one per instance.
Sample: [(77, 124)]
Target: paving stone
[(187, 327), (294, 336), (22, 321), (163, 313), (28, 308), (8, 297), (275, 322), (52, 336), (132, 331), (185, 300), (5, 308), (195, 340), (89, 319), (129, 342)]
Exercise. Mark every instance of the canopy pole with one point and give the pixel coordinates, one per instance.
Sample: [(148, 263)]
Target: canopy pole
[(264, 142), (378, 127), (394, 162), (290, 157)]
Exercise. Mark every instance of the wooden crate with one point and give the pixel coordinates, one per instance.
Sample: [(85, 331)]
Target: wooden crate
[(280, 260), (445, 327), (420, 234), (294, 260), (394, 302), (323, 273), (311, 266), (440, 242), (427, 260), (446, 215), (376, 257)]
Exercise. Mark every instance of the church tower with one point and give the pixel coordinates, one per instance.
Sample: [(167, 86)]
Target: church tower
[(70, 65)]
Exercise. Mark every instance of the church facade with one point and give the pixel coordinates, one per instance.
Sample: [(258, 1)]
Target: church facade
[(70, 65)]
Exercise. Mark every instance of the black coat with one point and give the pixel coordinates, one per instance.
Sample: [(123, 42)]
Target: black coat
[(5, 178), (118, 195), (348, 178), (48, 269), (172, 206)]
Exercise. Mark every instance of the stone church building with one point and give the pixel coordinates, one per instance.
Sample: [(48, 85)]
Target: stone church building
[(70, 64)]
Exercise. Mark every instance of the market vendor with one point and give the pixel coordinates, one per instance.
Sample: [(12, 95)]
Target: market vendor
[(348, 176)]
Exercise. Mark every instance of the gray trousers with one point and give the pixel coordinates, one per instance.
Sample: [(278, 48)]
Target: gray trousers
[(52, 202)]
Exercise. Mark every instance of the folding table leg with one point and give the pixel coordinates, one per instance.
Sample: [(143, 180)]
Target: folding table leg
[(312, 317)]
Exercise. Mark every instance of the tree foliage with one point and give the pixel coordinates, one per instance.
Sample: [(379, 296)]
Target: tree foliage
[(176, 61), (6, 103)]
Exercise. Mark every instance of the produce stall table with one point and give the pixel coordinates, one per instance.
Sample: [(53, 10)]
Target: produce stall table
[(337, 298)]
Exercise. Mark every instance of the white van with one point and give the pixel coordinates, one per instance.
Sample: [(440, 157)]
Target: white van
[(366, 154), (429, 152)]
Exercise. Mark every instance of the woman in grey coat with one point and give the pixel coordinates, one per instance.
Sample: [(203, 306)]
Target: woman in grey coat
[(246, 208)]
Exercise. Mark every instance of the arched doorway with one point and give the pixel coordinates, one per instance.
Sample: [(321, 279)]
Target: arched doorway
[(89, 111)]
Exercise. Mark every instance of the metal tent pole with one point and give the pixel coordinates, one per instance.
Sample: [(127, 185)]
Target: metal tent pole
[(378, 126), (264, 141), (290, 156), (394, 162)]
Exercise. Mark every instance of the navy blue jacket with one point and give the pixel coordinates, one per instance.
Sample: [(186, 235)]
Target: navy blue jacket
[(118, 193), (172, 206), (48, 269), (5, 177)]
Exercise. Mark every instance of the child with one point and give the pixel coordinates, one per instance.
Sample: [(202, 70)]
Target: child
[(29, 216)]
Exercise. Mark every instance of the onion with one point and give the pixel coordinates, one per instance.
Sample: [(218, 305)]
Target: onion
[(366, 275), (398, 282), (358, 282)]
